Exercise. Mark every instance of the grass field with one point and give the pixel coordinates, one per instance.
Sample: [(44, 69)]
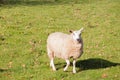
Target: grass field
[(25, 25)]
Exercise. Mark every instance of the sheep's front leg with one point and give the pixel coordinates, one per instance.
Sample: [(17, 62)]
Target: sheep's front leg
[(74, 63), (52, 64), (68, 63)]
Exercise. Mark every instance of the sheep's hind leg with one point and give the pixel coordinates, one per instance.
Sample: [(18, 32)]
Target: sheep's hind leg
[(51, 56), (74, 63), (52, 64), (68, 63)]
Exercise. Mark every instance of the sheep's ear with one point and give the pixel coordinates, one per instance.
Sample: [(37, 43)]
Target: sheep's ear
[(81, 29), (71, 31)]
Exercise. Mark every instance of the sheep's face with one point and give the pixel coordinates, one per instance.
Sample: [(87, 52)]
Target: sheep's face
[(77, 34)]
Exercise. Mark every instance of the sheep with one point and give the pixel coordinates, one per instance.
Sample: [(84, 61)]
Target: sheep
[(65, 46)]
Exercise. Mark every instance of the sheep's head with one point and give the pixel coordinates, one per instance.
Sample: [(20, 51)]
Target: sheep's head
[(77, 34)]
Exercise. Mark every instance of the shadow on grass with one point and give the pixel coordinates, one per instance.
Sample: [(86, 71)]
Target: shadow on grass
[(46, 2), (94, 63), (3, 70), (89, 64)]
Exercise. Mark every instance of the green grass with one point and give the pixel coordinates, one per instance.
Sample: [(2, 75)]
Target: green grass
[(25, 25)]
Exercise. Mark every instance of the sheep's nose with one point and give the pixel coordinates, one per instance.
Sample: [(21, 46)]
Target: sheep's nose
[(78, 39)]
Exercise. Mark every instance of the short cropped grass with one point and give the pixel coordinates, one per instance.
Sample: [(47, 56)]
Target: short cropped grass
[(26, 24)]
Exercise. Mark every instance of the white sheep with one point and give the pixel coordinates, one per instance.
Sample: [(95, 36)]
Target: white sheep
[(65, 46)]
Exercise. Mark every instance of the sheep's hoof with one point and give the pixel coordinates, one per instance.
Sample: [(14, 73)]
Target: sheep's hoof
[(74, 72), (65, 69), (54, 69)]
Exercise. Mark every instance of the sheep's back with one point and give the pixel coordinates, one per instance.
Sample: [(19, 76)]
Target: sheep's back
[(56, 42)]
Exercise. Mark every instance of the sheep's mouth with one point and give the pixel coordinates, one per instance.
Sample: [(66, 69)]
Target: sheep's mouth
[(79, 40)]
